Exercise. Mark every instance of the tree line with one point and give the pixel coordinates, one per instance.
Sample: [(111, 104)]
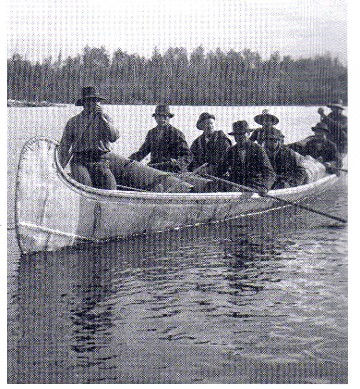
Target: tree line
[(179, 78)]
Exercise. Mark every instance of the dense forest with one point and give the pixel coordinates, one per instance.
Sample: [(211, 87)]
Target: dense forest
[(176, 77)]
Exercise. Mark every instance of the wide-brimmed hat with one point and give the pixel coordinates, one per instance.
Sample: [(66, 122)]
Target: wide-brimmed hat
[(321, 126), (89, 92), (336, 104), (273, 133), (163, 110), (202, 117), (239, 127), (259, 119)]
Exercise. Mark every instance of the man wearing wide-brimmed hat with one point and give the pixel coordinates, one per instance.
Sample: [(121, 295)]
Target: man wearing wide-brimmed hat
[(337, 124), (166, 144), (285, 162), (267, 121), (86, 142), (210, 147), (323, 149), (246, 162)]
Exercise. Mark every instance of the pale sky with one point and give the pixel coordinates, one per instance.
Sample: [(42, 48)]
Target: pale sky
[(41, 28)]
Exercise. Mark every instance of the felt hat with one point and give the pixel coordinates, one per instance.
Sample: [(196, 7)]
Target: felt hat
[(321, 126), (273, 133), (336, 104), (163, 110), (259, 119), (202, 117), (239, 127), (89, 92)]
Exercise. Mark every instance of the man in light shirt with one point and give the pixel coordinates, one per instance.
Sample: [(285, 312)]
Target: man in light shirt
[(86, 142)]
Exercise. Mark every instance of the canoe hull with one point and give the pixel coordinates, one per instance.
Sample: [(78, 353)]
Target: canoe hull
[(53, 211)]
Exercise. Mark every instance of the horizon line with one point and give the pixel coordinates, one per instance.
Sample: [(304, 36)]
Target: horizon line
[(327, 54)]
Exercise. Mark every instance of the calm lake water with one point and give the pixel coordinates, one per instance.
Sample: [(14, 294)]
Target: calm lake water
[(240, 302)]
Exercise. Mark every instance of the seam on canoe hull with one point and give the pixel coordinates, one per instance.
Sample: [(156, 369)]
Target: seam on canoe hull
[(70, 235), (57, 232), (79, 240)]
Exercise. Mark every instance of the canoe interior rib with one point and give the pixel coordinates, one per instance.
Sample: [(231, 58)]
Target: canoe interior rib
[(53, 211)]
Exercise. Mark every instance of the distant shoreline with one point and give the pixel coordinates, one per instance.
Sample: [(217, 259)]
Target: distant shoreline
[(23, 103)]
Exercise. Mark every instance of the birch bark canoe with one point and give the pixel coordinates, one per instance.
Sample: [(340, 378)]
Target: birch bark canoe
[(53, 211)]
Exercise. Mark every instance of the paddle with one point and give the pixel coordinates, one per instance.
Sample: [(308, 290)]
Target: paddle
[(332, 167), (162, 164), (130, 188), (195, 171), (247, 189), (337, 168)]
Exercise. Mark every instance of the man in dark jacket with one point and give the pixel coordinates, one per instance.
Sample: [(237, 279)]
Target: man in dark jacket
[(246, 162), (337, 125), (285, 162), (267, 121), (166, 144), (210, 147), (322, 149)]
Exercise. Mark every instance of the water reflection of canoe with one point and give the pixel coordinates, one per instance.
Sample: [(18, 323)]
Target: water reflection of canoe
[(54, 211)]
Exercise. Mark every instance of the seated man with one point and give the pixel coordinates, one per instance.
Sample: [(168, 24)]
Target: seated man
[(267, 121), (166, 144), (337, 125), (86, 142), (322, 149), (285, 162), (210, 146), (246, 162)]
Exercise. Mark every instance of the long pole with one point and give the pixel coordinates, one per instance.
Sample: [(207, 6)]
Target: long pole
[(195, 171), (341, 170), (130, 188), (248, 189)]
